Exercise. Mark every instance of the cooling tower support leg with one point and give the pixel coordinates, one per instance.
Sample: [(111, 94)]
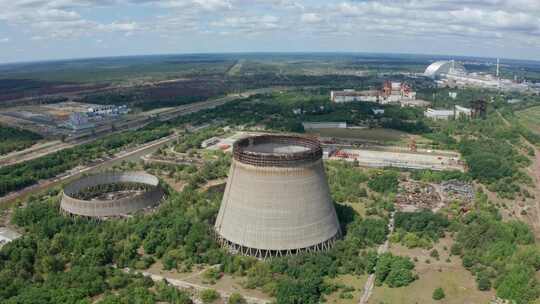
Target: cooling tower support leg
[(264, 254)]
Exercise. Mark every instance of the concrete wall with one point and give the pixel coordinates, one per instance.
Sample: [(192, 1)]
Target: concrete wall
[(277, 208), (97, 208)]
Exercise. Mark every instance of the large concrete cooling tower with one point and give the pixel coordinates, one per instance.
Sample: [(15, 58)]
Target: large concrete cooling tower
[(277, 200)]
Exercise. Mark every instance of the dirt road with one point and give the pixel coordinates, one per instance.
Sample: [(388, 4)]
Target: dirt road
[(532, 216), (370, 283), (196, 287)]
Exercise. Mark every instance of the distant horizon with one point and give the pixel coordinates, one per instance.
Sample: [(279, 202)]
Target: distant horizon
[(71, 29), (239, 53)]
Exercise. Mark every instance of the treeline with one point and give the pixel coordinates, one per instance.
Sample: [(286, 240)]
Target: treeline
[(275, 111), (14, 139), (18, 176), (501, 255), (491, 150)]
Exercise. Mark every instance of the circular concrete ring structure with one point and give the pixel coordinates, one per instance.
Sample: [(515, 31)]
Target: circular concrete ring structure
[(277, 200), (110, 208)]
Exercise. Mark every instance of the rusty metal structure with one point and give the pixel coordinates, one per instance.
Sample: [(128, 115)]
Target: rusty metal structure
[(99, 208), (277, 200), (479, 108)]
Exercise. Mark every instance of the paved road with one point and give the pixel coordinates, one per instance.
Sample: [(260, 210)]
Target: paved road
[(128, 124), (35, 151), (370, 283)]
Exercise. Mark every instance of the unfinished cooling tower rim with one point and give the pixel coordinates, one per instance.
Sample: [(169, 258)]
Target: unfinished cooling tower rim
[(110, 208), (301, 149)]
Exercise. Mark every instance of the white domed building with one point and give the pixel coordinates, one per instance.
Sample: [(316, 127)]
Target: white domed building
[(441, 68)]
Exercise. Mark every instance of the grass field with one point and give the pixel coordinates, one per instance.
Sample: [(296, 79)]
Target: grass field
[(379, 135), (458, 284), (530, 118)]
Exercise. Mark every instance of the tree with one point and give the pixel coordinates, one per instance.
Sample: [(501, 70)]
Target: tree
[(438, 294), (483, 281), (518, 284), (236, 298), (209, 296), (387, 181)]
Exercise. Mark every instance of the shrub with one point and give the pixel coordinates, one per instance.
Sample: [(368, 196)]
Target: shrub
[(384, 182), (438, 294), (209, 296), (236, 298)]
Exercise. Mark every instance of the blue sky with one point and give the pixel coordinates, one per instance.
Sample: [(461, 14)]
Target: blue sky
[(38, 30)]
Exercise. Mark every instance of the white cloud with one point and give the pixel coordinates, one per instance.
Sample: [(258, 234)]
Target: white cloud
[(4, 40), (311, 18), (512, 22)]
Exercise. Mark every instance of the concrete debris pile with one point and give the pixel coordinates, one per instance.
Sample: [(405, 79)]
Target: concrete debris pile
[(7, 235), (414, 196), (457, 190)]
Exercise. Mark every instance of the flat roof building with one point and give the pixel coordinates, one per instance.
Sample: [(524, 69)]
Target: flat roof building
[(439, 114)]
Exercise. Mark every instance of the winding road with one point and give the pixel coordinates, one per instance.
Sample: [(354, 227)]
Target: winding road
[(370, 283)]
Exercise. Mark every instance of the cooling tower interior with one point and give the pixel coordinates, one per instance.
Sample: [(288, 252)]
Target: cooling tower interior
[(277, 200), (111, 194)]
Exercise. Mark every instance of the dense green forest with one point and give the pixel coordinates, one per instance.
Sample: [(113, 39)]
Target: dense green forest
[(492, 150), (48, 262), (12, 139), (57, 251)]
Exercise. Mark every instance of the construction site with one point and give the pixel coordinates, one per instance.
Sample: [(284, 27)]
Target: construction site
[(415, 195), (397, 157), (367, 155), (64, 118)]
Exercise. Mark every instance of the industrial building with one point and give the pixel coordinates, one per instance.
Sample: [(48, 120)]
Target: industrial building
[(63, 118), (324, 125), (209, 142), (395, 92), (352, 96), (277, 199), (439, 114), (79, 121), (392, 92), (457, 112), (442, 68), (454, 75), (111, 194)]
